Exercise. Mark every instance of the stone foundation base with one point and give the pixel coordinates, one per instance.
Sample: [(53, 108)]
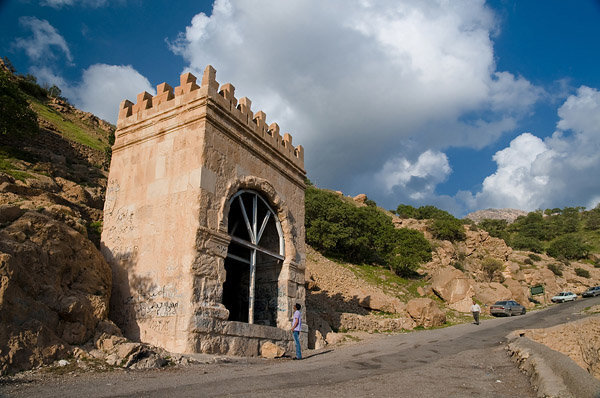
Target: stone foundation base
[(241, 339)]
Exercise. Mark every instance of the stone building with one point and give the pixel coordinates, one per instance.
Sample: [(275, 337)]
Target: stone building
[(204, 222)]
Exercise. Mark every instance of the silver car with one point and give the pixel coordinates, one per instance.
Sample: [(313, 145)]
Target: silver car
[(591, 292), (507, 308)]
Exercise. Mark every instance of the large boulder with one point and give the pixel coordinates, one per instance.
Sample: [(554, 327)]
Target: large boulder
[(454, 287), (318, 330), (425, 312), (271, 350), (54, 290), (489, 293), (518, 292), (376, 300)]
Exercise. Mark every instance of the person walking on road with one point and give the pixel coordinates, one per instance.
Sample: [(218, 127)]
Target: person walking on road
[(296, 328), (475, 309)]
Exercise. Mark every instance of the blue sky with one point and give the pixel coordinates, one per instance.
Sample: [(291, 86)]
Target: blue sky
[(462, 104)]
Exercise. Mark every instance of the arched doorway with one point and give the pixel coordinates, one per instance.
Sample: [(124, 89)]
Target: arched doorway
[(254, 259)]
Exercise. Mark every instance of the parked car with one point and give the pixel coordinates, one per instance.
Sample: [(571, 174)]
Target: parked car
[(591, 292), (507, 308), (564, 296)]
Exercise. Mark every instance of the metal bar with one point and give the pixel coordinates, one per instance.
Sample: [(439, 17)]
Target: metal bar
[(248, 226), (238, 258), (254, 247), (255, 217), (262, 227), (252, 284), (232, 232)]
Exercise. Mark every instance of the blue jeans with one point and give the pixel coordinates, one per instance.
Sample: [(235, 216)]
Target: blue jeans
[(297, 341)]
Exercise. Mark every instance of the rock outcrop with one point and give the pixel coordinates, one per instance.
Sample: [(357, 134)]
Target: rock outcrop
[(578, 340), (424, 311), (54, 290), (509, 215), (454, 287)]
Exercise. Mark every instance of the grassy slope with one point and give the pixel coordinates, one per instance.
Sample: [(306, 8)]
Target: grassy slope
[(71, 127)]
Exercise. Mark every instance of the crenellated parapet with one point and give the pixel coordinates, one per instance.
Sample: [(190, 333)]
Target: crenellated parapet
[(168, 99)]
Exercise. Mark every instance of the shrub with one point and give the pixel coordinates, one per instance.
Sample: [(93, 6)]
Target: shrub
[(582, 272), (570, 246), (447, 229), (411, 250), (361, 234), (534, 257), (370, 203), (491, 267), (556, 269), (592, 219), (528, 261), (522, 242), (406, 211), (458, 265), (432, 212), (496, 228), (16, 118)]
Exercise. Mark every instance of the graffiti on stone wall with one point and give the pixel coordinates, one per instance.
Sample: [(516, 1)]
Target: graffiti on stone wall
[(155, 309), (159, 302)]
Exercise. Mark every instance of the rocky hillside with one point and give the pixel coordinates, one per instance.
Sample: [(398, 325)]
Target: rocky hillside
[(343, 297), (509, 215), (54, 283)]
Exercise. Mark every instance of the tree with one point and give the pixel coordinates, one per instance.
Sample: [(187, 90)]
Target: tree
[(364, 234), (447, 229), (592, 219), (411, 250), (491, 267), (522, 242), (54, 91), (406, 211), (570, 246)]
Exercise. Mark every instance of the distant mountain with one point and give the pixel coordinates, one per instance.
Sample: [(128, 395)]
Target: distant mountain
[(509, 215)]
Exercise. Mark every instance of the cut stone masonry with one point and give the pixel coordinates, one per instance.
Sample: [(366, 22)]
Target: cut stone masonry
[(204, 222), (166, 98)]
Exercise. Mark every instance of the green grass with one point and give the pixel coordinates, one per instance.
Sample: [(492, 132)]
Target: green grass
[(592, 238), (8, 167), (386, 280), (66, 127)]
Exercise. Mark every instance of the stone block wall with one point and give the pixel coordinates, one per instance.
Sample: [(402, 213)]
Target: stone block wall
[(178, 159)]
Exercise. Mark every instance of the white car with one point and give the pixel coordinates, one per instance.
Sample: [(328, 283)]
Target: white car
[(564, 296)]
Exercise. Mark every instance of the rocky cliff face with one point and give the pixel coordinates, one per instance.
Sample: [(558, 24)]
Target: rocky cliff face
[(509, 215), (54, 289)]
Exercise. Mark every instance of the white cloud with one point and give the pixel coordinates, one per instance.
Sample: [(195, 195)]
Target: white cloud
[(561, 170), (418, 179), (362, 84), (45, 38), (46, 76), (61, 3), (103, 87)]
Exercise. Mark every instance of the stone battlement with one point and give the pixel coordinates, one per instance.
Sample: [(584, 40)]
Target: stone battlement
[(167, 99)]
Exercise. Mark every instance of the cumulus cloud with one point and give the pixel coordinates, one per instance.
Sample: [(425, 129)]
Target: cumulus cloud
[(363, 85), (417, 179), (44, 40), (103, 87), (561, 170)]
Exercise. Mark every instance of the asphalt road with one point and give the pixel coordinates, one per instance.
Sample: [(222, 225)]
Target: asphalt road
[(460, 361)]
